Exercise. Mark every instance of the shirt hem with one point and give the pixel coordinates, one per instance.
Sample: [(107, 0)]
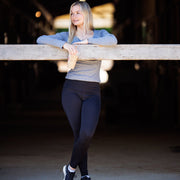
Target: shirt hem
[(78, 79)]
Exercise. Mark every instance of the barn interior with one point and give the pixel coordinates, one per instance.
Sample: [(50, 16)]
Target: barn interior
[(140, 115)]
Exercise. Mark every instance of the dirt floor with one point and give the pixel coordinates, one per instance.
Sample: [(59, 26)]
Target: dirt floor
[(115, 154)]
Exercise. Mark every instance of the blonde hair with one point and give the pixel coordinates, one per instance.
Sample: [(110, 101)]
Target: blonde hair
[(88, 19)]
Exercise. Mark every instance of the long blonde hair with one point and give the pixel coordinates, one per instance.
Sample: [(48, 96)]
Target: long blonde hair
[(88, 19)]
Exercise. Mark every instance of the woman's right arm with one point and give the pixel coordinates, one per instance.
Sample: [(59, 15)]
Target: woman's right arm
[(57, 40)]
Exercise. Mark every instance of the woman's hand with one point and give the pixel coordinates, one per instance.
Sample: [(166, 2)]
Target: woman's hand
[(82, 42), (72, 50), (73, 55)]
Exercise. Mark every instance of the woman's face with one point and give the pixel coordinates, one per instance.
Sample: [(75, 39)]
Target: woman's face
[(77, 17)]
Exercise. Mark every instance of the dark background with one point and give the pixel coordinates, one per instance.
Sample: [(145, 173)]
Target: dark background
[(30, 92)]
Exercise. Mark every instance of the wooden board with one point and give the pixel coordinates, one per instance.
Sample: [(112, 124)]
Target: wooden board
[(92, 52)]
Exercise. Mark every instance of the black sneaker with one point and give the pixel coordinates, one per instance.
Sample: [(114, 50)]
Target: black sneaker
[(67, 175), (86, 178)]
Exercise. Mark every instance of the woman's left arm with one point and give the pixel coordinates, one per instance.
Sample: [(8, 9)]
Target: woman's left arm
[(104, 38)]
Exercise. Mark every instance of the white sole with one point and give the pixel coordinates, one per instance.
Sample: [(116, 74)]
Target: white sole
[(64, 171)]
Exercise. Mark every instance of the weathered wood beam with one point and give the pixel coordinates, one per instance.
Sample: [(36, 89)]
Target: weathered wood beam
[(92, 52)]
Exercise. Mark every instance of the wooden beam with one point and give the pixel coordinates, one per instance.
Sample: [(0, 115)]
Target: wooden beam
[(92, 52)]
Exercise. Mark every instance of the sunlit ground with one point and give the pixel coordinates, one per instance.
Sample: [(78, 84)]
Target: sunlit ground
[(115, 155)]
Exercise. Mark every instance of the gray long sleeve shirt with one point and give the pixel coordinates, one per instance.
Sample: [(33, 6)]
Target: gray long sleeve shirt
[(84, 70)]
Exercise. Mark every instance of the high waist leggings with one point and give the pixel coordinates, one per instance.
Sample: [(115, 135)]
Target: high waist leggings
[(81, 103)]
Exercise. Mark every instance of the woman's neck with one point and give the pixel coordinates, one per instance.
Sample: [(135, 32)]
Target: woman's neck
[(82, 34), (81, 30)]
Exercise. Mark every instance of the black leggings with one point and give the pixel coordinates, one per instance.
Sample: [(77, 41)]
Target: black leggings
[(81, 103)]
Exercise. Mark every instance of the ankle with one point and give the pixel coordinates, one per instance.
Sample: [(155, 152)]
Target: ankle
[(71, 169)]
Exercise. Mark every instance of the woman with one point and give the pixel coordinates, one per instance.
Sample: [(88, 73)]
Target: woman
[(81, 90)]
